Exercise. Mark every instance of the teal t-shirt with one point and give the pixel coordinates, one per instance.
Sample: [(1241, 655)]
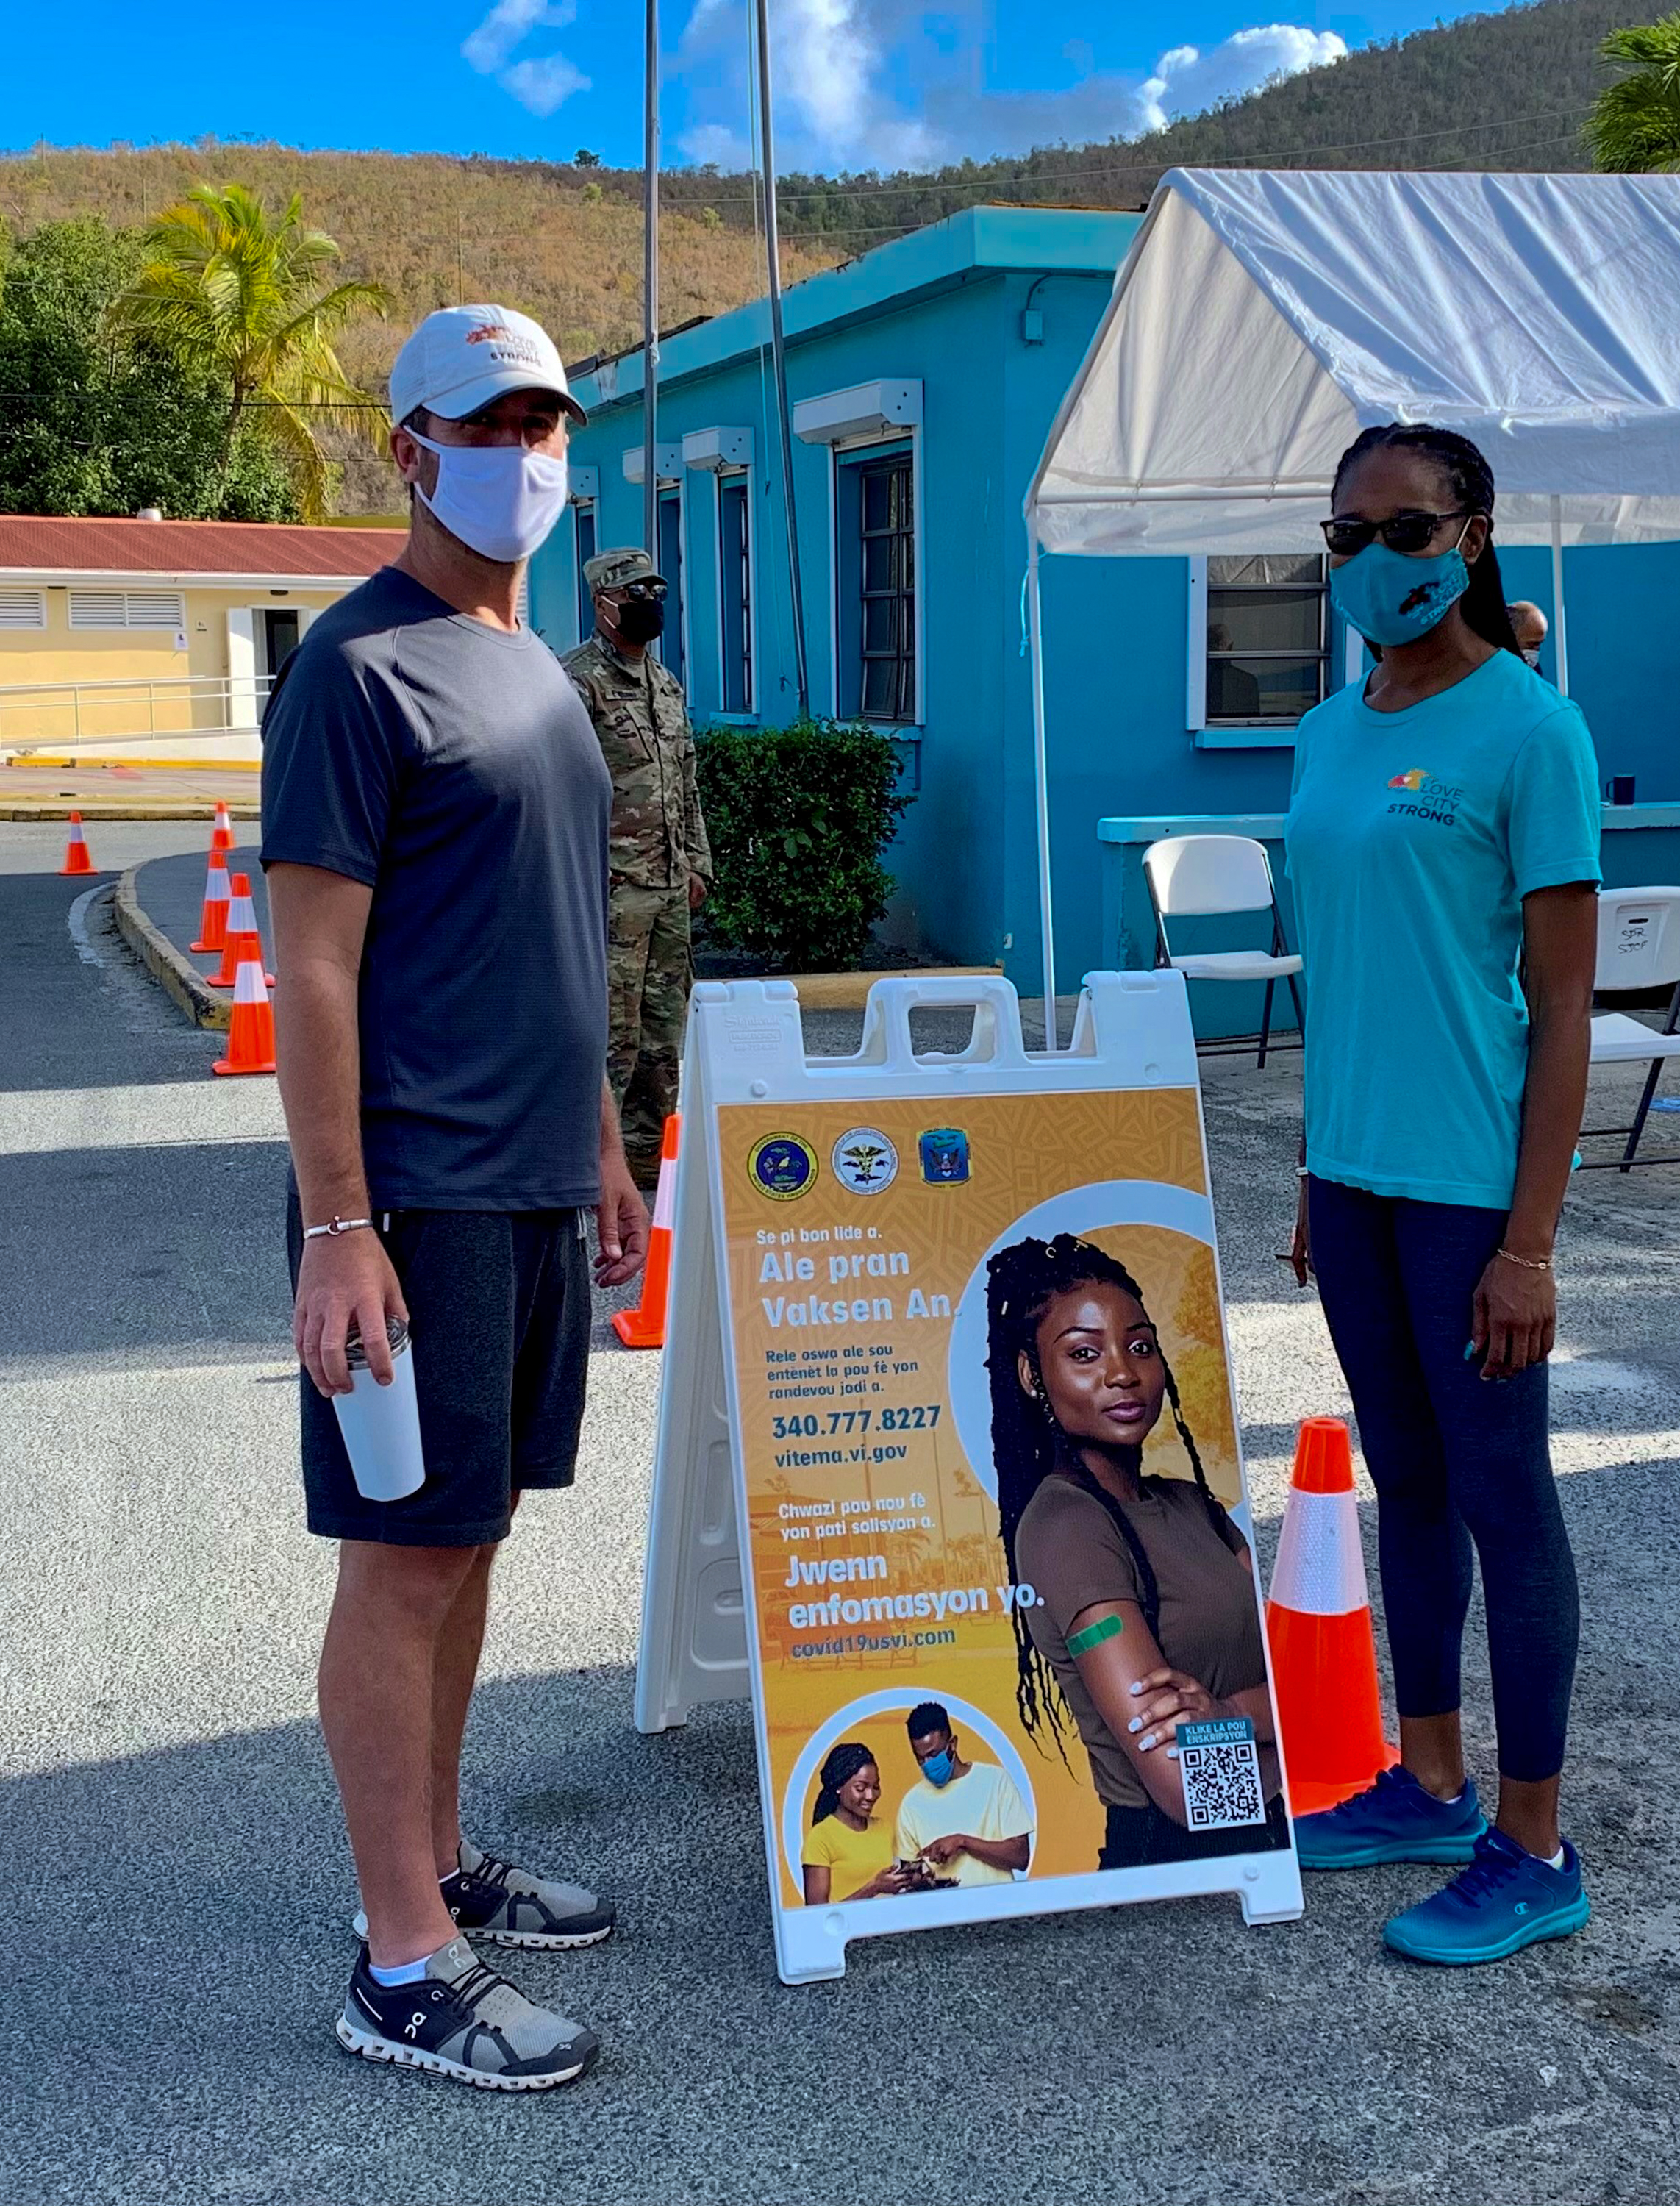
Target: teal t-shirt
[(1411, 841)]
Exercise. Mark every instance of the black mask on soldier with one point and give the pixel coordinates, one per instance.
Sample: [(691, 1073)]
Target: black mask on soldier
[(640, 619)]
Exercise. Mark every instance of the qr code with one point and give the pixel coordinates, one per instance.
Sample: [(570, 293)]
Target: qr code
[(1221, 1773)]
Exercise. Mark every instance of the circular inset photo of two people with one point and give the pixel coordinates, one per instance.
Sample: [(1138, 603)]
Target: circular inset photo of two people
[(901, 1793)]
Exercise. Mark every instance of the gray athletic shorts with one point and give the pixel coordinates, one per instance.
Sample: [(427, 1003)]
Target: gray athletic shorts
[(499, 1316)]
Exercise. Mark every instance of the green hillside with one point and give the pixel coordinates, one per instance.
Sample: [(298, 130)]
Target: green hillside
[(1501, 90)]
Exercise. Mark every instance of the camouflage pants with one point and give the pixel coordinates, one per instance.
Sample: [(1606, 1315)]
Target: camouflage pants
[(649, 971)]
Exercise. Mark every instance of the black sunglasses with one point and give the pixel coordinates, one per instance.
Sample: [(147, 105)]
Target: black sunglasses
[(1401, 531), (653, 593)]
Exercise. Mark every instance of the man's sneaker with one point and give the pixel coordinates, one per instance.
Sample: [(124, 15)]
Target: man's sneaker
[(1506, 1899), (1395, 1820), (501, 1906), (462, 2019)]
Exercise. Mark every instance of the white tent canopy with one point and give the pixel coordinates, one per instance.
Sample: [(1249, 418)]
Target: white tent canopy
[(1262, 319)]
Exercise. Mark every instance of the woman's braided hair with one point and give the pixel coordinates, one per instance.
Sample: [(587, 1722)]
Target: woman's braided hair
[(839, 1768), (1472, 482), (1022, 1283)]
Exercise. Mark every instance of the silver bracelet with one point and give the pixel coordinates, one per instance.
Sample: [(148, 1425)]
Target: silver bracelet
[(1524, 1263), (335, 1226)]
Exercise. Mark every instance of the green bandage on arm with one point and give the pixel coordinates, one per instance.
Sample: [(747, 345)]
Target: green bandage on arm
[(1105, 1627)]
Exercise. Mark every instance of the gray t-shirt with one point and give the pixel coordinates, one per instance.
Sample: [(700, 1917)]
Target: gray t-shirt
[(453, 769)]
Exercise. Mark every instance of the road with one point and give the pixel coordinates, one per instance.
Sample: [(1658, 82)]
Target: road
[(168, 1826)]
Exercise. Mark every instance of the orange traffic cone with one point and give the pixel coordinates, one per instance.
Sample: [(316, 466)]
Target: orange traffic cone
[(213, 919), (76, 860), (1317, 1620), (646, 1327), (221, 835), (251, 1026), (243, 940)]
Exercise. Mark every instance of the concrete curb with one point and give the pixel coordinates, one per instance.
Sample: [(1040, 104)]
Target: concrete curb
[(173, 971), (92, 811), (849, 992)]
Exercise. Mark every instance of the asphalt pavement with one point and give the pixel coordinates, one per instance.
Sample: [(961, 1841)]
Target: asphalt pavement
[(169, 1830)]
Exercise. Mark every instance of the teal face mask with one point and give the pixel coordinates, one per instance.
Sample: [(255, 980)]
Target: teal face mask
[(1389, 597), (940, 1768)]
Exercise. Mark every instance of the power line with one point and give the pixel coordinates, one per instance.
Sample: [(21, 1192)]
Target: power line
[(932, 185)]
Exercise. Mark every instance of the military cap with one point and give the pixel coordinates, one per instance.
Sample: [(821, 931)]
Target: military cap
[(612, 570)]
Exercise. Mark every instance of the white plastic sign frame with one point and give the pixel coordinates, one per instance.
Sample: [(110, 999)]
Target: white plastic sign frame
[(745, 1044)]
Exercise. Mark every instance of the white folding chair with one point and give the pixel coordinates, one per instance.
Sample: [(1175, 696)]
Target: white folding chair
[(1205, 876), (1638, 947)]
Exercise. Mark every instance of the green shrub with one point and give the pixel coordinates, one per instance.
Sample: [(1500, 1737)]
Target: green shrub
[(798, 819)]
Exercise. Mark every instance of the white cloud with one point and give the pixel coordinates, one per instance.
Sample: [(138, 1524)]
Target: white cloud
[(894, 84), (544, 85), (717, 143), (541, 82), (507, 24), (832, 62), (1187, 80)]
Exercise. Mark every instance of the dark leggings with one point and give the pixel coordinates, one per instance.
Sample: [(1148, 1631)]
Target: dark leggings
[(1455, 1459)]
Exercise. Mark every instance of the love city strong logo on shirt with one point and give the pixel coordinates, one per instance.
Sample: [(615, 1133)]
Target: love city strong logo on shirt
[(1436, 801)]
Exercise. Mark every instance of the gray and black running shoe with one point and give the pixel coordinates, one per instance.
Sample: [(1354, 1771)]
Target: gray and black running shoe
[(501, 1906), (463, 2020)]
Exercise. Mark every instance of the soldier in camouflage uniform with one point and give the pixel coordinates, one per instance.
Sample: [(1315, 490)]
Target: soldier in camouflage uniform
[(660, 861)]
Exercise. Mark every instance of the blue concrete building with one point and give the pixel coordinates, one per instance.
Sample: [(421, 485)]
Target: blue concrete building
[(924, 379)]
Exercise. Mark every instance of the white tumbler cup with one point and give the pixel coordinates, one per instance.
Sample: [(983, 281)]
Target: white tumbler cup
[(381, 1424)]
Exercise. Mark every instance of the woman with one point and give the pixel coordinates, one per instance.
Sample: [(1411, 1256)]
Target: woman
[(1146, 1615), (1444, 826), (846, 1844)]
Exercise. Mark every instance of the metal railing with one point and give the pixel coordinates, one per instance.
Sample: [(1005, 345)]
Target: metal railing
[(56, 715)]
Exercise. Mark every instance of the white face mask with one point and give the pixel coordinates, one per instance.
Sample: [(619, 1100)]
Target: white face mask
[(501, 500)]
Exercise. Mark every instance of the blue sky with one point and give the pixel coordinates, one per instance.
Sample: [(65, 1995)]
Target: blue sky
[(861, 82)]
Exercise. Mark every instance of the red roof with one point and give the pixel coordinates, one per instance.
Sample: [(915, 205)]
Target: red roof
[(34, 546)]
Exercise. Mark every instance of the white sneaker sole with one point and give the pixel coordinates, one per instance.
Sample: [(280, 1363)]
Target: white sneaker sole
[(529, 1942), (369, 2047)]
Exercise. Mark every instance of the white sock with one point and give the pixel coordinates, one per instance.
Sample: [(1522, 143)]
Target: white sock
[(411, 1972), (1556, 1860)]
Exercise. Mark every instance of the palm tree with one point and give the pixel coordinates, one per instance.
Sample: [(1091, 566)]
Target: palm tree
[(1634, 124), (236, 297)]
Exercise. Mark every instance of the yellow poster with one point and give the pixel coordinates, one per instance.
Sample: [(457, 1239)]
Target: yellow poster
[(999, 1587)]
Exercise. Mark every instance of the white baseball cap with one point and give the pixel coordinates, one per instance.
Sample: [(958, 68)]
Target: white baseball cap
[(461, 357)]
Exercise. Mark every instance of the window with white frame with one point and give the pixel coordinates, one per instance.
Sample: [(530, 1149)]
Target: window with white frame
[(583, 522), (671, 638), (734, 589), (876, 576), (128, 609), (1261, 639), (23, 609)]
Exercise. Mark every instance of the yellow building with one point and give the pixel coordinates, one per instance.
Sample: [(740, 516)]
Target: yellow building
[(152, 640)]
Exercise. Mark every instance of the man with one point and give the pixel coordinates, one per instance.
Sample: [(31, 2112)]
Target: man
[(435, 822), (964, 1818), (661, 861), (1528, 625)]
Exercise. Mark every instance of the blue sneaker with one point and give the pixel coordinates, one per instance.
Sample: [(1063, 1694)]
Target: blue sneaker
[(1506, 1900), (1395, 1820)]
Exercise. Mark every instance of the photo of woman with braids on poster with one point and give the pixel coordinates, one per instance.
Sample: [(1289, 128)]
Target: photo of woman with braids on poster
[(1145, 1613)]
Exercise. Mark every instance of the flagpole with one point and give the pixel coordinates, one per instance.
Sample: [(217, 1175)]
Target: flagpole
[(650, 341), (780, 360)]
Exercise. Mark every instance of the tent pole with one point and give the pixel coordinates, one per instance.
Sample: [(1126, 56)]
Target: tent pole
[(1041, 786), (1560, 632)]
